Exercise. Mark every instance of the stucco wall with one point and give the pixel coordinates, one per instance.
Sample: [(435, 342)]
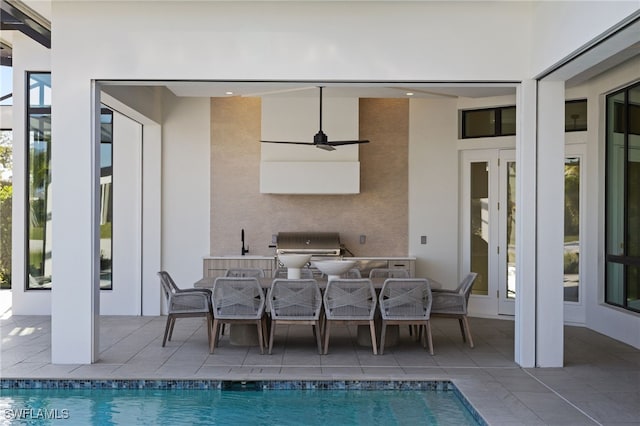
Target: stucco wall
[(561, 27), (185, 187)]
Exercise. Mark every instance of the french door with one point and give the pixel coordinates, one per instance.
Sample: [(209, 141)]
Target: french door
[(488, 228)]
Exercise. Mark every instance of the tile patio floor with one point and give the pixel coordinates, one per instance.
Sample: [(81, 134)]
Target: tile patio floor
[(600, 383)]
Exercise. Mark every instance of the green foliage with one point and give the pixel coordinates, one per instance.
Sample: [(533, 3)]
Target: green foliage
[(5, 156), (6, 191), (572, 199), (571, 262), (105, 230)]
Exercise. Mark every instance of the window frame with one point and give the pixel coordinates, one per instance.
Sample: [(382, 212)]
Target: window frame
[(497, 125), (32, 111), (624, 260), (586, 123)]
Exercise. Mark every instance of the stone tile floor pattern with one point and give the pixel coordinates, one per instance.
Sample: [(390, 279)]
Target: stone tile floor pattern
[(599, 383)]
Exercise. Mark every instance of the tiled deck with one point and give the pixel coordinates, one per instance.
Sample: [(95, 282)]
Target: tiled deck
[(600, 383)]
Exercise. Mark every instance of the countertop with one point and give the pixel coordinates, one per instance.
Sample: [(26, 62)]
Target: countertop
[(253, 257)]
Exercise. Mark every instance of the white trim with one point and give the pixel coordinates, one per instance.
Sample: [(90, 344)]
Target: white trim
[(526, 181)]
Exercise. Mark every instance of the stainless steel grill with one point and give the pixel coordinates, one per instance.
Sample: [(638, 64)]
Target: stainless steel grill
[(318, 244)]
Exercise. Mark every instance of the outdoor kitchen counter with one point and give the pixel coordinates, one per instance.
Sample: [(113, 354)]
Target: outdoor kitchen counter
[(216, 266)]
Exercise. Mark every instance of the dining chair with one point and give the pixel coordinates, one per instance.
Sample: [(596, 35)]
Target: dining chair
[(350, 301), (295, 302), (393, 273), (244, 272), (406, 301), (454, 303), (183, 303), (388, 273), (353, 273), (238, 300)]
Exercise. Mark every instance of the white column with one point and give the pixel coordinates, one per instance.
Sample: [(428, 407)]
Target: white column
[(151, 217), (550, 225), (525, 322), (75, 294)]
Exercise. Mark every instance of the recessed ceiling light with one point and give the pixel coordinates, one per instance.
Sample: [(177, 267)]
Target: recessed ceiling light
[(409, 93), (228, 93)]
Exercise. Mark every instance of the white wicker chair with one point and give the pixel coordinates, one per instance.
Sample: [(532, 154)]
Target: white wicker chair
[(183, 303), (353, 273), (406, 301), (295, 302), (244, 272), (350, 301), (238, 300), (453, 304)]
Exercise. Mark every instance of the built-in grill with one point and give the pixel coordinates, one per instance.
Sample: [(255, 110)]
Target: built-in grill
[(320, 245)]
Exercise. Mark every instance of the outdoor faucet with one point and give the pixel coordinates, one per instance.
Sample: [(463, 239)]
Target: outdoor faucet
[(244, 250)]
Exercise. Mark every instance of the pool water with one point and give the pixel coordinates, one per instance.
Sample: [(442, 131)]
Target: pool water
[(231, 407)]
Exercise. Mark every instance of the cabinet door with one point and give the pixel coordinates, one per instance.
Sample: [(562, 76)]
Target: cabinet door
[(218, 267), (407, 264)]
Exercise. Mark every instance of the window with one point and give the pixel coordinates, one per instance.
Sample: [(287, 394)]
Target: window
[(6, 85), (106, 198), (622, 277), (38, 210), (575, 115), (488, 122)]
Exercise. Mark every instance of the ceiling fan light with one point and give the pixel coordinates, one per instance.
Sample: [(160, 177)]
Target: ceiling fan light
[(326, 147)]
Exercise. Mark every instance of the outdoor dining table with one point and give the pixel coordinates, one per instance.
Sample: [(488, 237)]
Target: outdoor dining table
[(246, 335)]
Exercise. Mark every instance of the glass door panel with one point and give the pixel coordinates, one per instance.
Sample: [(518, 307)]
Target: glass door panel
[(510, 243), (571, 259), (506, 251), (479, 227)]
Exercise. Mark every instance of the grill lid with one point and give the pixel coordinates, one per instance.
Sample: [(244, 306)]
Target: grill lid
[(315, 243)]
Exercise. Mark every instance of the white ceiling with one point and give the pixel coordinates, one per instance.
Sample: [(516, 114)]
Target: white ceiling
[(347, 89)]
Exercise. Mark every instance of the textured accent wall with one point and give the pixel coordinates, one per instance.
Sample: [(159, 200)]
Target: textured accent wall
[(380, 211)]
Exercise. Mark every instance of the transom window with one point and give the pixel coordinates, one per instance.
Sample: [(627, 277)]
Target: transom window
[(575, 115), (488, 122)]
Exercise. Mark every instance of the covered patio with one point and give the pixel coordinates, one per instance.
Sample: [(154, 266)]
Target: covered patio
[(599, 384)]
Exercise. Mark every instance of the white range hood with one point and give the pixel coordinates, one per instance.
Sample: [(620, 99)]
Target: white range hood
[(301, 169)]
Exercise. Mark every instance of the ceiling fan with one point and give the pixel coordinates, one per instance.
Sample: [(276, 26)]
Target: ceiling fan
[(320, 139)]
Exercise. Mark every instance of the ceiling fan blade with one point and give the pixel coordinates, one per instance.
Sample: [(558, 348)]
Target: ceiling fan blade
[(338, 143), (289, 142)]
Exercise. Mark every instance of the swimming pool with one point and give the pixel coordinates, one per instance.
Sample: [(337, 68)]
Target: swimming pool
[(231, 403)]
